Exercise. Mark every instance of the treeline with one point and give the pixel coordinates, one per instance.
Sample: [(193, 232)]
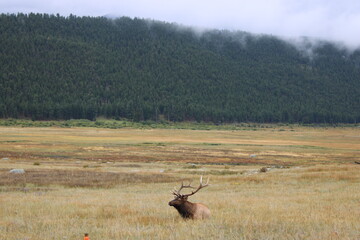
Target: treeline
[(55, 67)]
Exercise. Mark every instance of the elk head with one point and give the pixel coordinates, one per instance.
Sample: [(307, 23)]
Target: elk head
[(188, 209)]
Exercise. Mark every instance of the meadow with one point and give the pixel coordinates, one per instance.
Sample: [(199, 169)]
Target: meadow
[(272, 182)]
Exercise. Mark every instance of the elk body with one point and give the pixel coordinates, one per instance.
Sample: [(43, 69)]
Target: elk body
[(189, 210)]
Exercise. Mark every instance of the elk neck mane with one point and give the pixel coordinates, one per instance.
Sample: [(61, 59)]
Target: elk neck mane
[(186, 209)]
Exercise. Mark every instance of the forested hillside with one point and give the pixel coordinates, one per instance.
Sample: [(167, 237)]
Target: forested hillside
[(54, 67)]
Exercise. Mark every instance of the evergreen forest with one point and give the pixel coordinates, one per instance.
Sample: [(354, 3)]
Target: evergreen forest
[(55, 67)]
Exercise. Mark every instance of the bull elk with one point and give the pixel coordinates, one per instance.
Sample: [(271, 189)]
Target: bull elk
[(189, 210)]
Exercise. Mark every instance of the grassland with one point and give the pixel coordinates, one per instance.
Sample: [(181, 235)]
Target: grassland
[(116, 183)]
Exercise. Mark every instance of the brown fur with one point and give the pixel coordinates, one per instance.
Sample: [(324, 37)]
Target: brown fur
[(189, 210)]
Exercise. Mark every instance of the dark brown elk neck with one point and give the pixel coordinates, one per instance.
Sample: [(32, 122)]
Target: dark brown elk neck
[(186, 209)]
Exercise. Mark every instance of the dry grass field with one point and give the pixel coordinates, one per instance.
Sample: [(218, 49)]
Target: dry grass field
[(266, 183)]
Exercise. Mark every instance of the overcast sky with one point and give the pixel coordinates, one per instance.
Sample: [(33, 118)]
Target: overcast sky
[(335, 20)]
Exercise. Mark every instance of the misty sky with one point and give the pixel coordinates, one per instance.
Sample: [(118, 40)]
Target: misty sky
[(335, 20)]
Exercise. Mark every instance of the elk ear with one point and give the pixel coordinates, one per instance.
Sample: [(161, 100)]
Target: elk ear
[(185, 198)]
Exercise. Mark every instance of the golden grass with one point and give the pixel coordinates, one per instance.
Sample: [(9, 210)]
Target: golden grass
[(277, 206), (116, 184)]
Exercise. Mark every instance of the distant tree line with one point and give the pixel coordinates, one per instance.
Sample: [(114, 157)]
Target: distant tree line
[(55, 67)]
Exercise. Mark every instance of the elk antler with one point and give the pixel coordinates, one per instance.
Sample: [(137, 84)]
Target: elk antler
[(200, 187), (177, 192)]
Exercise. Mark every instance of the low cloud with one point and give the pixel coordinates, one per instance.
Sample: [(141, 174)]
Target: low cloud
[(325, 19)]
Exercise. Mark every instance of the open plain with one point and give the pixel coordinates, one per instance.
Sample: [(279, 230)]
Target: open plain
[(266, 183)]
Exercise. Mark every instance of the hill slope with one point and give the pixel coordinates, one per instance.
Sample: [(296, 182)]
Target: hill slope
[(52, 67)]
